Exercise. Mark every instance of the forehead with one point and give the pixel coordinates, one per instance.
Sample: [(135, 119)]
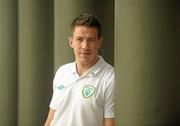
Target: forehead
[(85, 31)]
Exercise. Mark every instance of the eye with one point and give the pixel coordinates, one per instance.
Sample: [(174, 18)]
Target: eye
[(91, 40), (78, 39)]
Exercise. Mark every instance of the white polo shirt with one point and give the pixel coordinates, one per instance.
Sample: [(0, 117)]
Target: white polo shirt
[(84, 100)]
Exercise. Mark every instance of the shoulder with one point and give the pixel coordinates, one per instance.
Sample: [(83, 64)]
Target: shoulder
[(109, 70), (107, 75), (109, 67), (65, 68), (106, 67), (62, 73), (108, 78)]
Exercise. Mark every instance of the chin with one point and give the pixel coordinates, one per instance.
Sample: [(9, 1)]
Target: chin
[(84, 60), (87, 61)]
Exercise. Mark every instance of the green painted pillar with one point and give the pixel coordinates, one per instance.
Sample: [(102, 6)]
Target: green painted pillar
[(35, 60), (147, 62), (66, 10), (8, 62)]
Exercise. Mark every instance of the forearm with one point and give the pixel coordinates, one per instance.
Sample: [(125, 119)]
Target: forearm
[(50, 117), (109, 122)]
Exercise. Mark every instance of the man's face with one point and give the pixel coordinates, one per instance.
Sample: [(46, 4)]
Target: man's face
[(85, 43)]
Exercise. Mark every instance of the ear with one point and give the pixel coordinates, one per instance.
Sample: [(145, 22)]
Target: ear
[(100, 41), (70, 42)]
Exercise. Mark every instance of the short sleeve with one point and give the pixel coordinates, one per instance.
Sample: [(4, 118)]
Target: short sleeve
[(109, 101), (54, 101)]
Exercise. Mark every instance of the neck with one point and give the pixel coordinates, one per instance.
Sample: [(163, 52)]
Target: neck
[(82, 68)]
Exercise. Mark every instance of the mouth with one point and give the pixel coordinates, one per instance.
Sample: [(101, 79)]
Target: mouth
[(85, 53)]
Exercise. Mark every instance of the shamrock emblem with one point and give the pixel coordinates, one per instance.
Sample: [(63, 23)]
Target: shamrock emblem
[(88, 91)]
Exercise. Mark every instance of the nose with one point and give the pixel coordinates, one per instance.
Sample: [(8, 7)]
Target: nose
[(85, 44)]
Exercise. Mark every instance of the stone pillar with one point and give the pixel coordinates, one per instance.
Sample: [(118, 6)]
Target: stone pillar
[(35, 60), (147, 62), (8, 62)]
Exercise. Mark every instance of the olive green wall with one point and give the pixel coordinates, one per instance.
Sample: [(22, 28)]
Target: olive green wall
[(147, 62), (35, 60), (26, 61), (33, 44), (8, 62), (141, 39)]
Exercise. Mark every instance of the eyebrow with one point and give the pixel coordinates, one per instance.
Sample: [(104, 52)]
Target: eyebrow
[(85, 37)]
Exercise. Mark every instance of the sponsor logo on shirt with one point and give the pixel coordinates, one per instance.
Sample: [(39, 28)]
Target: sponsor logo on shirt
[(88, 91), (60, 87)]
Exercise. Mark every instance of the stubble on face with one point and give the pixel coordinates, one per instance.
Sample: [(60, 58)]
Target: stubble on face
[(85, 43)]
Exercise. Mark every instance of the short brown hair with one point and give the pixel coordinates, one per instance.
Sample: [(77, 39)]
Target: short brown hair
[(87, 20)]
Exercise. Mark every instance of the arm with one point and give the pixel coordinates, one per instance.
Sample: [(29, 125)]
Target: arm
[(50, 117), (109, 122)]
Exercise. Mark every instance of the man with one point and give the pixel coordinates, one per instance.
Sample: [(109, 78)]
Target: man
[(83, 91)]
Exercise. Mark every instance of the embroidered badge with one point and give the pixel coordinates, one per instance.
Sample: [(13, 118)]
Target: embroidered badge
[(88, 91)]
